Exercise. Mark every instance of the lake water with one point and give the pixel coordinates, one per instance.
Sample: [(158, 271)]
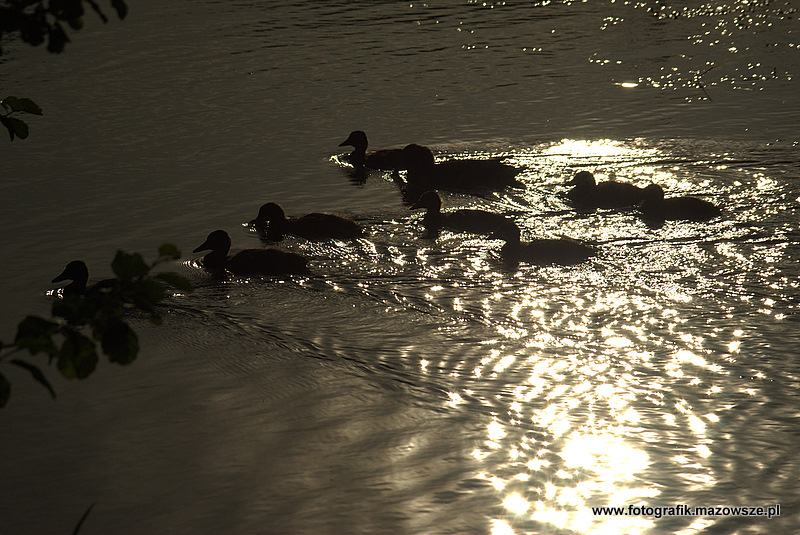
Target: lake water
[(411, 385)]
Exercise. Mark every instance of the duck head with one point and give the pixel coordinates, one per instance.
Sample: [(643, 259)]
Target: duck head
[(417, 158), (429, 200), (653, 193), (77, 272), (357, 139), (583, 179), (270, 212), (218, 241)]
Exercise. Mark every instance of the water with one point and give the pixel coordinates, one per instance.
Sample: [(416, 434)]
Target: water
[(412, 385)]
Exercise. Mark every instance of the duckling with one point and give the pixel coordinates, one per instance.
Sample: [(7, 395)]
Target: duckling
[(313, 226), (588, 194), (456, 175), (77, 272), (248, 261), (655, 208), (384, 160), (539, 252), (475, 221)]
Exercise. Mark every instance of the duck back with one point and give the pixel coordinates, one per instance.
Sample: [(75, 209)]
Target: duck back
[(456, 175), (588, 195), (266, 262), (657, 208), (318, 226), (473, 221), (553, 251)]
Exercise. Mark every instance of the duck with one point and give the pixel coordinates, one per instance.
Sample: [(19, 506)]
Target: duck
[(561, 251), (249, 261), (423, 173), (382, 160), (655, 208), (588, 194), (77, 272), (272, 223), (465, 220)]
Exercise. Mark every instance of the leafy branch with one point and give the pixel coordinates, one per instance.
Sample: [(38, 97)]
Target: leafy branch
[(95, 316), (37, 20), (17, 127)]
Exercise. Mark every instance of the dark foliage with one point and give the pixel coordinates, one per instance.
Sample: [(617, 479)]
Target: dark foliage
[(82, 321), (37, 21)]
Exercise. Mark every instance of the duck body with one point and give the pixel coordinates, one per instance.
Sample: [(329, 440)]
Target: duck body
[(77, 272), (588, 194), (656, 208), (382, 160), (272, 222), (249, 261), (540, 252), (465, 220), (456, 175)]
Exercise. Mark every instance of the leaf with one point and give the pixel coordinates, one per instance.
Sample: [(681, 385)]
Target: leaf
[(129, 266), (15, 127), (83, 519), (10, 103), (77, 358), (177, 281), (75, 23), (36, 334), (5, 390), (121, 7), (57, 39), (37, 374), (120, 342), (29, 106), (168, 250), (97, 10)]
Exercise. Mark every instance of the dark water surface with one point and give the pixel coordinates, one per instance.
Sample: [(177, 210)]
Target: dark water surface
[(411, 385)]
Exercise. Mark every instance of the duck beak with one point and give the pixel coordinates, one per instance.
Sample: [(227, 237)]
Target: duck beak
[(203, 247), (346, 142), (61, 277)]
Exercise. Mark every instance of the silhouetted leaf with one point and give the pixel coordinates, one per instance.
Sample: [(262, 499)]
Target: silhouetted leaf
[(76, 23), (168, 250), (36, 334), (5, 390), (37, 374), (97, 10), (66, 9), (9, 103), (57, 39), (121, 7), (28, 106), (77, 358), (82, 520), (129, 266), (15, 127), (176, 281), (21, 104), (120, 342)]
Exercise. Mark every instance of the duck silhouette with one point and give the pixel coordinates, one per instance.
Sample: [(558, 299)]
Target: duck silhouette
[(469, 175), (384, 160), (465, 220), (587, 194), (77, 272), (656, 209), (273, 225), (539, 252), (248, 261)]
